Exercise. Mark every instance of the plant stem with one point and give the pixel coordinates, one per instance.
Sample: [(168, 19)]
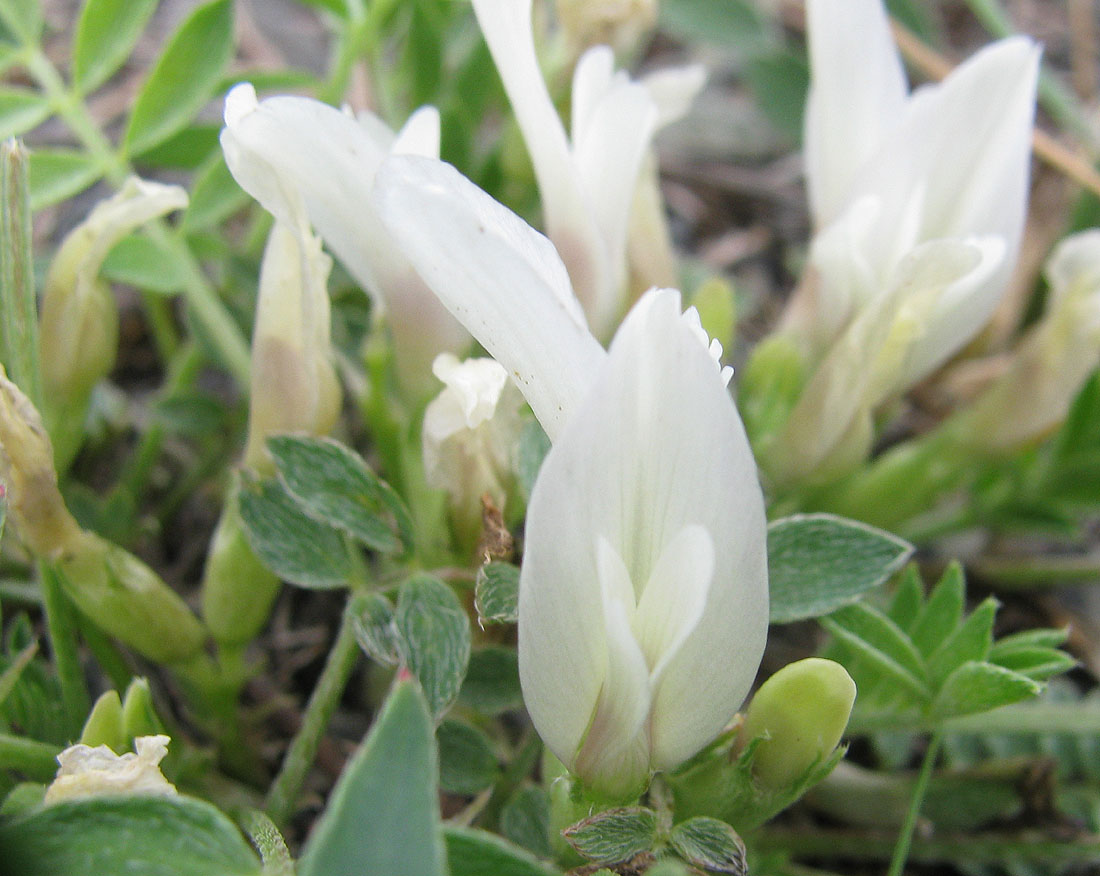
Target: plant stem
[(905, 839), (62, 630), (319, 710)]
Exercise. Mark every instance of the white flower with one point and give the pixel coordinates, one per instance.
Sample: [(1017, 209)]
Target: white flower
[(587, 180), (93, 772), (294, 146), (643, 591), (920, 202), (470, 433)]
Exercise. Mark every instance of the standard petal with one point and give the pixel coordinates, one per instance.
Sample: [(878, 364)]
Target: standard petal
[(857, 94), (498, 276), (656, 446)]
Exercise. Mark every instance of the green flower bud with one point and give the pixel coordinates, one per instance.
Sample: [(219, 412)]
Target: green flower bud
[(237, 589), (104, 725), (770, 385), (139, 717), (128, 600), (800, 713)]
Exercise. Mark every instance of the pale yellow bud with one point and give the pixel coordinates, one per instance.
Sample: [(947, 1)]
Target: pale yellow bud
[(800, 713), (92, 772)]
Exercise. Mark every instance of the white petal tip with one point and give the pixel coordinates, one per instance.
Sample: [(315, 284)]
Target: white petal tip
[(239, 102)]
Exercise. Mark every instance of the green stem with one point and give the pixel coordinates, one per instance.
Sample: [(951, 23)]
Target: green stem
[(37, 759), (62, 629), (283, 795), (905, 840)]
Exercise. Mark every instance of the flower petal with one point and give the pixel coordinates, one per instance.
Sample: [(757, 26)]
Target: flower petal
[(498, 276), (857, 94)]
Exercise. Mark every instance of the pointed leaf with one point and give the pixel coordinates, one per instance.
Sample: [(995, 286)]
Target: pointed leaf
[(295, 547), (184, 77), (140, 262), (472, 852), (819, 562), (942, 612), (117, 836), (21, 110), (334, 485), (215, 196), (1037, 663), (710, 844), (492, 681), (24, 18), (971, 641), (383, 816), (879, 640), (375, 630), (57, 174), (979, 687), (496, 593), (435, 638), (105, 35), (908, 598), (614, 835)]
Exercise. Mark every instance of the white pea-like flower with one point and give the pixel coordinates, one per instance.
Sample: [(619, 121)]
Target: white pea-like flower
[(643, 592)]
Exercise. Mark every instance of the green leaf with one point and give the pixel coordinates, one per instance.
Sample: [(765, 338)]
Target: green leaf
[(1081, 430), (467, 762), (525, 820), (9, 678), (942, 612), (435, 638), (190, 149), (472, 852), (1038, 664), (730, 23), (121, 836), (269, 842), (970, 641), (215, 196), (880, 641), (614, 835), (492, 681), (295, 547), (780, 81), (979, 687), (710, 844), (908, 599), (20, 110), (383, 815), (375, 631), (1025, 639), (334, 485), (105, 35), (140, 262), (191, 412), (336, 7), (496, 593), (820, 562), (58, 174), (24, 18), (184, 77)]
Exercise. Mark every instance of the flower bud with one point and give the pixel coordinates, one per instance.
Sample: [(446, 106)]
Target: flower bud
[(78, 334), (139, 716), (1032, 398), (469, 437), (92, 772), (800, 714), (128, 600), (104, 724)]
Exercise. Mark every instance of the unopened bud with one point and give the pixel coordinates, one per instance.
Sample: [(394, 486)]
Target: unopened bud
[(139, 716), (294, 386), (104, 724), (800, 713), (128, 600), (237, 589), (78, 333)]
